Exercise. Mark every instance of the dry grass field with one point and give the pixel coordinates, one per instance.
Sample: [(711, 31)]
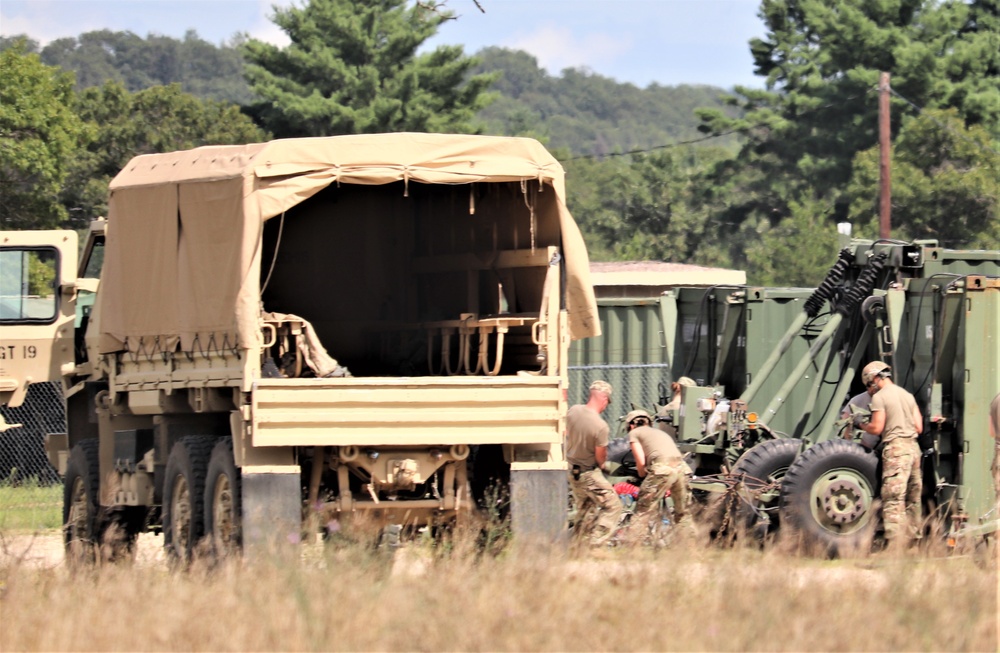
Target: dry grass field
[(347, 596)]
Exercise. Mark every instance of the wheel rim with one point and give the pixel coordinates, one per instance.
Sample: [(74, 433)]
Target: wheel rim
[(79, 512), (769, 498), (223, 518), (181, 517), (841, 501)]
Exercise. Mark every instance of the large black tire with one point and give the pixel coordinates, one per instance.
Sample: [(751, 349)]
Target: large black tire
[(828, 496), (81, 490), (761, 466), (223, 501), (184, 496)]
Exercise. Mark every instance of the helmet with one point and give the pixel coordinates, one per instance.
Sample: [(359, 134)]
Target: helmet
[(637, 413), (686, 381), (874, 369)]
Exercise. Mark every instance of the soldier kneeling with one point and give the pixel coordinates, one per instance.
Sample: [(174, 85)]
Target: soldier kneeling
[(660, 464)]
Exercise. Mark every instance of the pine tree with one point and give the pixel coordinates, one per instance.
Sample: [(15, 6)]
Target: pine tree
[(821, 60), (353, 67)]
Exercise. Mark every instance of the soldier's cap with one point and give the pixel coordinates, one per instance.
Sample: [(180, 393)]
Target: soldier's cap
[(637, 413), (874, 369), (686, 381), (601, 386)]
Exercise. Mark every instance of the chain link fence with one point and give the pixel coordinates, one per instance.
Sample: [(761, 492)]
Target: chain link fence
[(634, 385), (22, 449)]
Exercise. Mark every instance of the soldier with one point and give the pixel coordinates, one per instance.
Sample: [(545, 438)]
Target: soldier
[(597, 504), (896, 419), (659, 462), (675, 402), (862, 404)]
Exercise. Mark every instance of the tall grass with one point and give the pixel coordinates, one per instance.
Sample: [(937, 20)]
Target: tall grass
[(345, 596), (30, 506)]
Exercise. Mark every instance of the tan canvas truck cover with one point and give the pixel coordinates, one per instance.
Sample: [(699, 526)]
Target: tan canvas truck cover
[(183, 264)]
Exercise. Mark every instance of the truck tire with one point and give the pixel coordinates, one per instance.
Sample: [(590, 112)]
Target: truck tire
[(184, 496), (828, 495), (81, 488), (223, 501), (762, 465)]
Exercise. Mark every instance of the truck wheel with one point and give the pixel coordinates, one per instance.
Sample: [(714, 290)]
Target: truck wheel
[(763, 465), (184, 496), (828, 493), (223, 504), (81, 487)]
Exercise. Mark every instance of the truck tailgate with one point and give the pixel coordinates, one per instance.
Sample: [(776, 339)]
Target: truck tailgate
[(408, 411)]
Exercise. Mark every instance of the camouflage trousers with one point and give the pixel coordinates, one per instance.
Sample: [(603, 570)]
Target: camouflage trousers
[(661, 477), (598, 508), (901, 488)]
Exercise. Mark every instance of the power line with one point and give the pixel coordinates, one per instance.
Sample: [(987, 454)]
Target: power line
[(692, 141), (944, 126)]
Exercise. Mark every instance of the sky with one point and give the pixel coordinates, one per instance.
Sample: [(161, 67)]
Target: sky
[(667, 42)]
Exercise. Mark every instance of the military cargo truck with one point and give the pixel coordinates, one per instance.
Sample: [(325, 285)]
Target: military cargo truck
[(300, 331)]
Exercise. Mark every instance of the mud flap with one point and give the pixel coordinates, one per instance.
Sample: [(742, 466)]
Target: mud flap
[(538, 501), (272, 513)]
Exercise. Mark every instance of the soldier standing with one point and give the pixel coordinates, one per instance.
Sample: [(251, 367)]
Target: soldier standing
[(675, 401), (896, 419), (597, 504), (660, 464)]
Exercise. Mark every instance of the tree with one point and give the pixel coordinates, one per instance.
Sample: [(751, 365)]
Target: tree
[(200, 67), (821, 60), (945, 183), (352, 67), (645, 208), (161, 119), (39, 135)]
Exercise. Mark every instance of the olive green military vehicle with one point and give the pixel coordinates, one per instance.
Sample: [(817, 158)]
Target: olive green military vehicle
[(777, 365), (264, 341)]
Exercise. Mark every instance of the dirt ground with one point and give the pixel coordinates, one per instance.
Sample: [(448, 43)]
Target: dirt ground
[(45, 550)]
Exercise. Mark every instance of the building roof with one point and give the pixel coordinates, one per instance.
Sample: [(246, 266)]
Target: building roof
[(659, 273)]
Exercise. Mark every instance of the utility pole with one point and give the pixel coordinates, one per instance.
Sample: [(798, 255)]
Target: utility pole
[(885, 153)]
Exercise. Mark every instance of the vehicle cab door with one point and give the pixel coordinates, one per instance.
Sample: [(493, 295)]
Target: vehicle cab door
[(37, 309)]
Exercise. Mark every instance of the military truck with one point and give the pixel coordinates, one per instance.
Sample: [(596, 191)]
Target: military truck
[(265, 341), (776, 366)]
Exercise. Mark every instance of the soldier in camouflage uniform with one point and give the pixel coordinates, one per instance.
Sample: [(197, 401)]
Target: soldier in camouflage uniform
[(659, 461), (597, 504), (896, 419)]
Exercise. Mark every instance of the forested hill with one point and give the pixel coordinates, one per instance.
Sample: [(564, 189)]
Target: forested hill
[(578, 112), (586, 113)]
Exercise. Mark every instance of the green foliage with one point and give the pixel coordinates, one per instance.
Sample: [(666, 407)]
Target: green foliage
[(200, 68), (822, 62), (353, 67), (41, 274), (30, 506), (648, 207), (796, 251), (161, 119), (588, 113), (945, 183), (38, 138)]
